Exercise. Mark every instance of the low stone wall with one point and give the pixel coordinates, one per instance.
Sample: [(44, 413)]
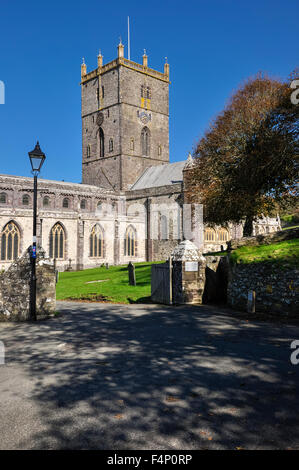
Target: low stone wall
[(276, 287), (15, 289)]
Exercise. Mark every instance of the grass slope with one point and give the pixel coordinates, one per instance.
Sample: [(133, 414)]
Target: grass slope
[(115, 288), (283, 252)]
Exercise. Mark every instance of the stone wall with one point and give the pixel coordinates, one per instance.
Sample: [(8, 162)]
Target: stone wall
[(15, 288), (276, 285), (276, 288)]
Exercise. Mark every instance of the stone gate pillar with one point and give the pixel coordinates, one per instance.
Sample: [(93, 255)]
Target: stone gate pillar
[(188, 278)]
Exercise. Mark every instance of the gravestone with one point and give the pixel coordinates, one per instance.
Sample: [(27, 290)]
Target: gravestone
[(188, 276), (132, 276)]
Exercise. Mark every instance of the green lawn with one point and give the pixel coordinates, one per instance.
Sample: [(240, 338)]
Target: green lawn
[(283, 252), (115, 288)]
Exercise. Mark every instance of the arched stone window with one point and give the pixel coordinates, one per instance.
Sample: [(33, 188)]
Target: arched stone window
[(159, 150), (46, 201), (101, 142), (10, 242), (25, 200), (223, 235), (65, 203), (130, 242), (148, 93), (145, 141), (57, 242), (132, 144), (83, 204), (3, 198), (210, 235), (96, 242), (110, 145)]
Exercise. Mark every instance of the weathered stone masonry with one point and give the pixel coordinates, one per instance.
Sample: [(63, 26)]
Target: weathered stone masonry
[(15, 288)]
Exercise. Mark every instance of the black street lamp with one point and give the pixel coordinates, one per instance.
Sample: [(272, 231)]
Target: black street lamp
[(37, 158)]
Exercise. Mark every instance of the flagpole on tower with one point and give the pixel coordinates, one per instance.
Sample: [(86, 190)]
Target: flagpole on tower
[(129, 52)]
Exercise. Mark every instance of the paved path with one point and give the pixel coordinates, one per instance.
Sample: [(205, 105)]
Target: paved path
[(148, 377)]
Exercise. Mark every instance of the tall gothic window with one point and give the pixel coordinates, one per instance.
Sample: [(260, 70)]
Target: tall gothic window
[(145, 141), (57, 242), (223, 235), (101, 142), (210, 235), (3, 198), (10, 242), (96, 242), (148, 93), (130, 242)]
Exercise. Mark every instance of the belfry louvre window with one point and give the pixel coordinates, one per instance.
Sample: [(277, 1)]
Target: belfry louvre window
[(3, 199), (145, 141), (83, 204), (96, 242), (130, 242), (57, 242), (10, 242), (65, 203), (148, 93)]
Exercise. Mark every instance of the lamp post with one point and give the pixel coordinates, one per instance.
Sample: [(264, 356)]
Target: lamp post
[(37, 158)]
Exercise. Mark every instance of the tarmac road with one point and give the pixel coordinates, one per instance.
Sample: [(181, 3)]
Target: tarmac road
[(103, 376)]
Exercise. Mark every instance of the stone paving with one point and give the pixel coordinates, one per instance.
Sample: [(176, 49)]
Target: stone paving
[(105, 376)]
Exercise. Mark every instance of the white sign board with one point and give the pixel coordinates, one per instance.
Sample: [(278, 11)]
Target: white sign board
[(191, 266)]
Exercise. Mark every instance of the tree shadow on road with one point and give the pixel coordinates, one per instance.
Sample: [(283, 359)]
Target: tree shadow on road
[(150, 377)]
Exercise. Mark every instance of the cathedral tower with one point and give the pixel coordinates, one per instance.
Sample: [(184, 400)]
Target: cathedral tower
[(125, 121)]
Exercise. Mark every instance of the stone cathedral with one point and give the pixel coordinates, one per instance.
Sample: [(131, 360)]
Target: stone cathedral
[(131, 204)]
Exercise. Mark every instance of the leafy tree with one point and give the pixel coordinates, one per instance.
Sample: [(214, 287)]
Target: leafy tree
[(247, 161)]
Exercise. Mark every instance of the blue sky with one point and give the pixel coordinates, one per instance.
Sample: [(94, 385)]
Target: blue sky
[(211, 46)]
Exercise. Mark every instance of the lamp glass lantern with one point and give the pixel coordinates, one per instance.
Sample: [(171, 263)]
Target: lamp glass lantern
[(37, 158)]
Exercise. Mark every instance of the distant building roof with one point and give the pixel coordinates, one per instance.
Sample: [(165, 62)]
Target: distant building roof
[(160, 175)]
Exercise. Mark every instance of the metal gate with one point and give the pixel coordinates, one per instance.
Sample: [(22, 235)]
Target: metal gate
[(161, 284)]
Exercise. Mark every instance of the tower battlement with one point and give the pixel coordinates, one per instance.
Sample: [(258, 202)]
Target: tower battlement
[(141, 68)]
